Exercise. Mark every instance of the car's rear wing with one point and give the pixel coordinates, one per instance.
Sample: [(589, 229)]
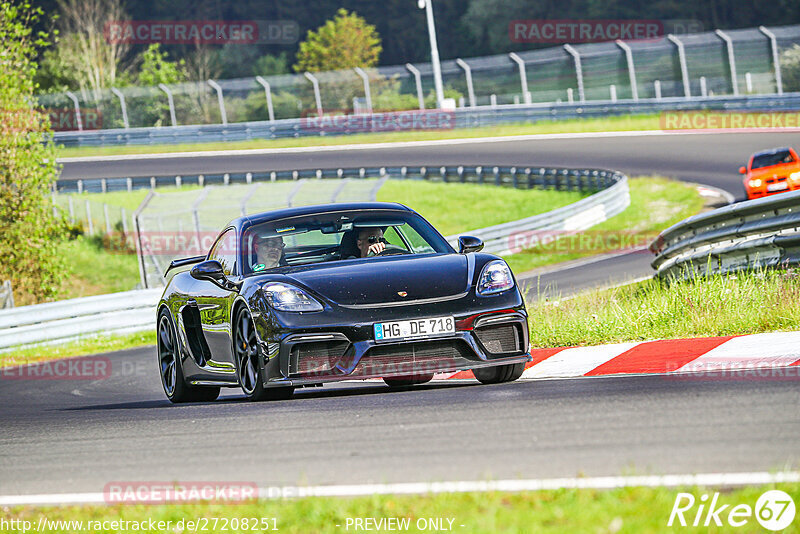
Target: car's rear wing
[(183, 262)]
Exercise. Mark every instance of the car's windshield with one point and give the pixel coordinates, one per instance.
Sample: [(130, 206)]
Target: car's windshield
[(336, 236), (772, 158)]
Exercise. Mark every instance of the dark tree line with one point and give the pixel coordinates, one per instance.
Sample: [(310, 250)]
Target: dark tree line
[(464, 27)]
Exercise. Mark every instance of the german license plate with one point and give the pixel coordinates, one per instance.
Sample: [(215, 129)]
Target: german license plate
[(780, 186), (417, 328)]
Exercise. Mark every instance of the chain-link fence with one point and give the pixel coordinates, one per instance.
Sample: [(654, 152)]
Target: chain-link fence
[(709, 63)]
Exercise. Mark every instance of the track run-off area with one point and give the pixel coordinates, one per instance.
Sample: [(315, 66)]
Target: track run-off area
[(67, 436)]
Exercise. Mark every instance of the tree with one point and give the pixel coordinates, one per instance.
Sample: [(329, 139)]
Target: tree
[(790, 68), (94, 61), (156, 68), (345, 42), (29, 232)]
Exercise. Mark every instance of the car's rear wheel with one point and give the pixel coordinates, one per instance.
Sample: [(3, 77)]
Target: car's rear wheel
[(170, 370), (499, 373), (405, 381), (248, 361)]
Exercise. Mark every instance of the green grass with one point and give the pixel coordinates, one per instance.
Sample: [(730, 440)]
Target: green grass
[(656, 204), (81, 347), (455, 208), (96, 270), (747, 303), (605, 124), (628, 510)]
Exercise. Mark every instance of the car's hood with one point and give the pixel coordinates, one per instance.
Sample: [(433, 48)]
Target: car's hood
[(384, 280), (782, 169)]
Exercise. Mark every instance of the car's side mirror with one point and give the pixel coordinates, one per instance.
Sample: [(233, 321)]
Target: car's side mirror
[(468, 243), (211, 271), (742, 170)]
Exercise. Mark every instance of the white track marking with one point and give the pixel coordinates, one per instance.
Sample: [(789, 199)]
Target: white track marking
[(576, 361), (778, 349), (416, 488), (375, 146)]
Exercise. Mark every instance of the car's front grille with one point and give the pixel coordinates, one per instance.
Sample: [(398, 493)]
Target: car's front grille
[(317, 357), (415, 358), (775, 179), (500, 338)]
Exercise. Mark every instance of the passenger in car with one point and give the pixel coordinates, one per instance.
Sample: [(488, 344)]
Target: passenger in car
[(269, 253)]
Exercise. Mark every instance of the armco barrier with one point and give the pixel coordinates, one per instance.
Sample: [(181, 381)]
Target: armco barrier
[(764, 232), (461, 118), (130, 311)]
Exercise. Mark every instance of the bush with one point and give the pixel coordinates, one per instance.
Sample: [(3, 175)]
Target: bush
[(30, 232)]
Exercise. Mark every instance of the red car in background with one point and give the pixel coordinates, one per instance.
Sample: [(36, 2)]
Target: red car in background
[(771, 171)]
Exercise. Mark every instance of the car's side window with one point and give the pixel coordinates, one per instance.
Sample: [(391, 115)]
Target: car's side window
[(224, 251)]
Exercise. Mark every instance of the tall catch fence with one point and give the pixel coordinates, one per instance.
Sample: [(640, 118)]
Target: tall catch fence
[(731, 62)]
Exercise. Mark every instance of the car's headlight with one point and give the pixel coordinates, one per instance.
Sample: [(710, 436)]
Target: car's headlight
[(795, 176), (495, 277), (755, 183), (285, 297)]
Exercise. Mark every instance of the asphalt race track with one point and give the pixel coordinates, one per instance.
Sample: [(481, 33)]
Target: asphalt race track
[(712, 159), (78, 436)]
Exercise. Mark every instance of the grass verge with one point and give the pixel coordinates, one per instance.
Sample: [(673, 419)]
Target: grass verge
[(745, 303), (80, 347), (605, 124), (656, 204), (623, 510)]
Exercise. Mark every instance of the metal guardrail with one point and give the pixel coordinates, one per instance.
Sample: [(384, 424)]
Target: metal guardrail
[(65, 320), (764, 232), (460, 118)]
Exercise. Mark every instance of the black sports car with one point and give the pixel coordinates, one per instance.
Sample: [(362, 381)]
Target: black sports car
[(302, 296)]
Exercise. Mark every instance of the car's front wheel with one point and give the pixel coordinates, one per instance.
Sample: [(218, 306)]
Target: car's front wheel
[(170, 369), (248, 361), (499, 373)]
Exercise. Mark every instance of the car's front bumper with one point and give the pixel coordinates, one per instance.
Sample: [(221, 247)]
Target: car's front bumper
[(322, 348)]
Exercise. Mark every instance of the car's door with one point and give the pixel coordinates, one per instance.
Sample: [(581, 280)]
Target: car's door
[(214, 304)]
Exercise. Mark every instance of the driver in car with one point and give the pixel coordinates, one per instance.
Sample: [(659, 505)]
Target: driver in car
[(269, 251), (370, 241)]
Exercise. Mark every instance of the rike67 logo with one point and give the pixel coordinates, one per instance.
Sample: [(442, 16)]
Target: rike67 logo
[(774, 510)]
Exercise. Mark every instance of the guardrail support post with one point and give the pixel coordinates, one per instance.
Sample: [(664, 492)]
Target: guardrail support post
[(468, 73), (122, 106), (367, 93), (418, 81), (78, 121), (268, 92), (703, 87), (657, 89), (90, 224), (682, 60), (773, 44), (80, 186), (523, 76), (317, 98), (220, 100), (731, 59), (578, 70), (129, 184), (171, 103), (748, 82), (631, 69), (613, 91)]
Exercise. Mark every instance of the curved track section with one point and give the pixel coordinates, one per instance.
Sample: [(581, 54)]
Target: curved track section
[(81, 435), (711, 159)]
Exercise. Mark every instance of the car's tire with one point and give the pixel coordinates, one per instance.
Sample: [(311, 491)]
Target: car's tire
[(170, 369), (246, 353), (499, 373), (405, 381)]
